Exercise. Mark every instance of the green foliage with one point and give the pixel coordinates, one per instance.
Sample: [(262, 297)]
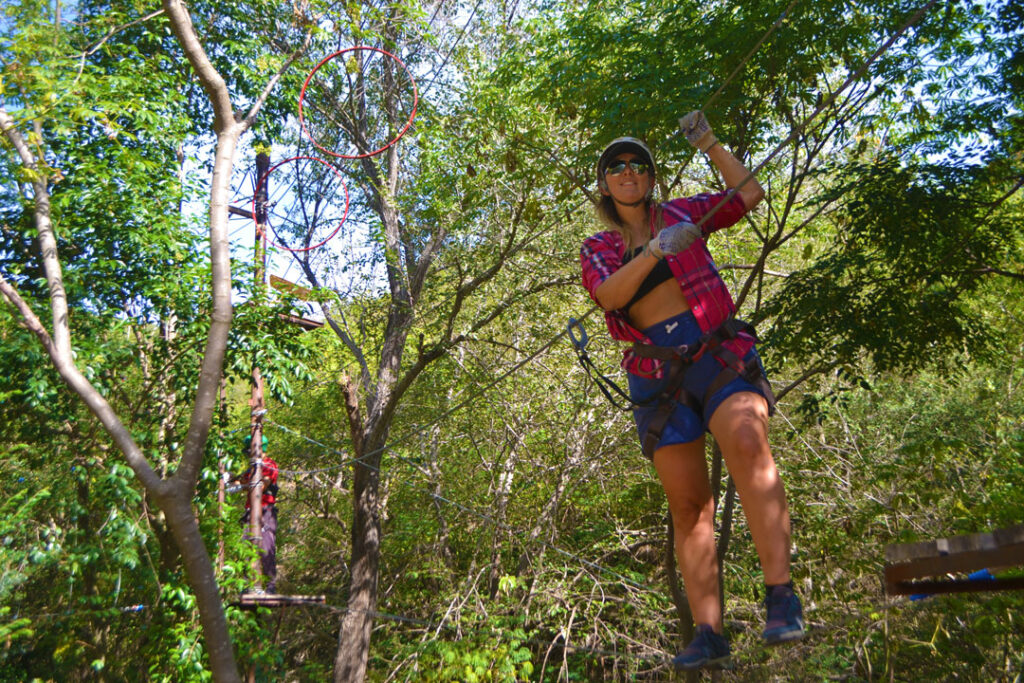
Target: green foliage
[(489, 652), (523, 533), (910, 251)]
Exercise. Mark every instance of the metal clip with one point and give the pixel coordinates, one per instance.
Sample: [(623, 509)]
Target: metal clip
[(579, 342)]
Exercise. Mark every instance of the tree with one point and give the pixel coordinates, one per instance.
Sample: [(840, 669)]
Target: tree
[(46, 116)]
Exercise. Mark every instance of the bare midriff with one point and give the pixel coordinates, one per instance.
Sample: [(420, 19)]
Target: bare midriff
[(661, 303)]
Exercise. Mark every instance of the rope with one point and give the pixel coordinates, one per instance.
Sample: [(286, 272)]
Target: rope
[(455, 44), (793, 135), (798, 130), (827, 102), (419, 431), (443, 626), (753, 51)]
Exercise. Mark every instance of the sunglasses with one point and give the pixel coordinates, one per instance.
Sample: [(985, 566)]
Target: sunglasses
[(619, 166)]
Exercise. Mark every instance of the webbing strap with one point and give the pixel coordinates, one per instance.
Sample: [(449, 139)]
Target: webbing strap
[(673, 393), (682, 358)]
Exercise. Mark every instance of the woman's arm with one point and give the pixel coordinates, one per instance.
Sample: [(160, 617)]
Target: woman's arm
[(734, 172), (699, 134), (616, 291)]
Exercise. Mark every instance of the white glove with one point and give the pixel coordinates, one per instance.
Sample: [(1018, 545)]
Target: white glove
[(674, 239), (697, 131)]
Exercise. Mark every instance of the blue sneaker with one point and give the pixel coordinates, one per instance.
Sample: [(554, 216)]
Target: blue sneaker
[(709, 650), (785, 615)]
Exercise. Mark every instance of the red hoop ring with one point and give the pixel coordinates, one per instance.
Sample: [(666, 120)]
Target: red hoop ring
[(270, 170), (302, 97)]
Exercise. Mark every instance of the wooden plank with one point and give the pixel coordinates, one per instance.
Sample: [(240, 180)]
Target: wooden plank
[(909, 561), (282, 285), (1004, 556), (304, 323), (1011, 536), (254, 600), (905, 552), (956, 586)]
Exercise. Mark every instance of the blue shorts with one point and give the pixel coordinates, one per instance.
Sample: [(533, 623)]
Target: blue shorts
[(684, 425)]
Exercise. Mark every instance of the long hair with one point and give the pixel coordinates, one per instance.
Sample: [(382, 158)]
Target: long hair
[(609, 217)]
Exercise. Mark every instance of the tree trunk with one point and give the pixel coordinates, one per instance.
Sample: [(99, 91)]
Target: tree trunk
[(199, 570), (356, 626), (444, 548)]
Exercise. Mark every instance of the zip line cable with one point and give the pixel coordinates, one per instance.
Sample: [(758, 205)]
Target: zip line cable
[(442, 626), (419, 431), (793, 135), (561, 334), (884, 604), (827, 102), (753, 50), (497, 524), (870, 610), (706, 105), (797, 131), (455, 44)]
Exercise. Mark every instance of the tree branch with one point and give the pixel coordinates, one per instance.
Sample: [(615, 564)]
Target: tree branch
[(212, 82), (250, 118), (59, 345)]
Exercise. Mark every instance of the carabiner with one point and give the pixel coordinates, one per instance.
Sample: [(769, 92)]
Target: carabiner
[(581, 342)]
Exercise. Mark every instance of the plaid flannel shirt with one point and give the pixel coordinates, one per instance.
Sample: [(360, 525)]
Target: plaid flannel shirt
[(694, 270)]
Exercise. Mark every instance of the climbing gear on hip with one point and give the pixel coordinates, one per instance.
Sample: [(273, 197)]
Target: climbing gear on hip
[(679, 360), (603, 382)]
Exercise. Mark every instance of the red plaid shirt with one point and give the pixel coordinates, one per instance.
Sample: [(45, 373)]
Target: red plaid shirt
[(694, 270)]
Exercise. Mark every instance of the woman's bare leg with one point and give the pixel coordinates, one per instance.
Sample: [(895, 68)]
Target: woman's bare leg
[(684, 476), (740, 426)]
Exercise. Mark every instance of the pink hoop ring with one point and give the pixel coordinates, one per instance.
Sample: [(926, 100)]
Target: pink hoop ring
[(302, 97), (341, 222)]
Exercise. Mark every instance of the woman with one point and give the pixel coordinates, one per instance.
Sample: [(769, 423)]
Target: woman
[(654, 277)]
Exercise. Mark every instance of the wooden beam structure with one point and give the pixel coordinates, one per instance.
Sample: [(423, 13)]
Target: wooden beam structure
[(254, 600), (908, 563)]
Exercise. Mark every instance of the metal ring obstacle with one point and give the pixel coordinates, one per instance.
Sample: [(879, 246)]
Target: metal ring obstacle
[(260, 208), (337, 55)]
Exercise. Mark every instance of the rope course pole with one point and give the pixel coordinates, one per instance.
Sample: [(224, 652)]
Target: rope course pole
[(257, 400)]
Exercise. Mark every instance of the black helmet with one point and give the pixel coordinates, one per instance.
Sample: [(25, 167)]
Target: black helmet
[(617, 147)]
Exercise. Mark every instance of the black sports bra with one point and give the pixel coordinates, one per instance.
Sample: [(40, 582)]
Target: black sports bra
[(660, 273)]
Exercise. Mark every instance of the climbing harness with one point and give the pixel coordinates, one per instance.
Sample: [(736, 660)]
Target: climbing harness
[(679, 360)]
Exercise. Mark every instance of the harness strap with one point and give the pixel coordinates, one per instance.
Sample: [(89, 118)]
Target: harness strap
[(673, 393), (681, 358)]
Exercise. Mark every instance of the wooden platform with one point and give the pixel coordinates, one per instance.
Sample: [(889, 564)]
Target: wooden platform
[(910, 566), (254, 600)]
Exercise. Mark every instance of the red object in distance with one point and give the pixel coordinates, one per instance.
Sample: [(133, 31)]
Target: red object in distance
[(256, 194)]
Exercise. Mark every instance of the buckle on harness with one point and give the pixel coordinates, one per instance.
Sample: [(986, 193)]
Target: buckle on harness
[(579, 342)]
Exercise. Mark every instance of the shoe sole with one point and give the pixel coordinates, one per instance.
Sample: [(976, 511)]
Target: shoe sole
[(719, 663), (787, 637)]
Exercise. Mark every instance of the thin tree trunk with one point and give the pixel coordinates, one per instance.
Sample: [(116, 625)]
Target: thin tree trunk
[(203, 581)]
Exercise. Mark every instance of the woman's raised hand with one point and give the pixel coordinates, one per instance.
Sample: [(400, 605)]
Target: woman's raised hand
[(697, 131)]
